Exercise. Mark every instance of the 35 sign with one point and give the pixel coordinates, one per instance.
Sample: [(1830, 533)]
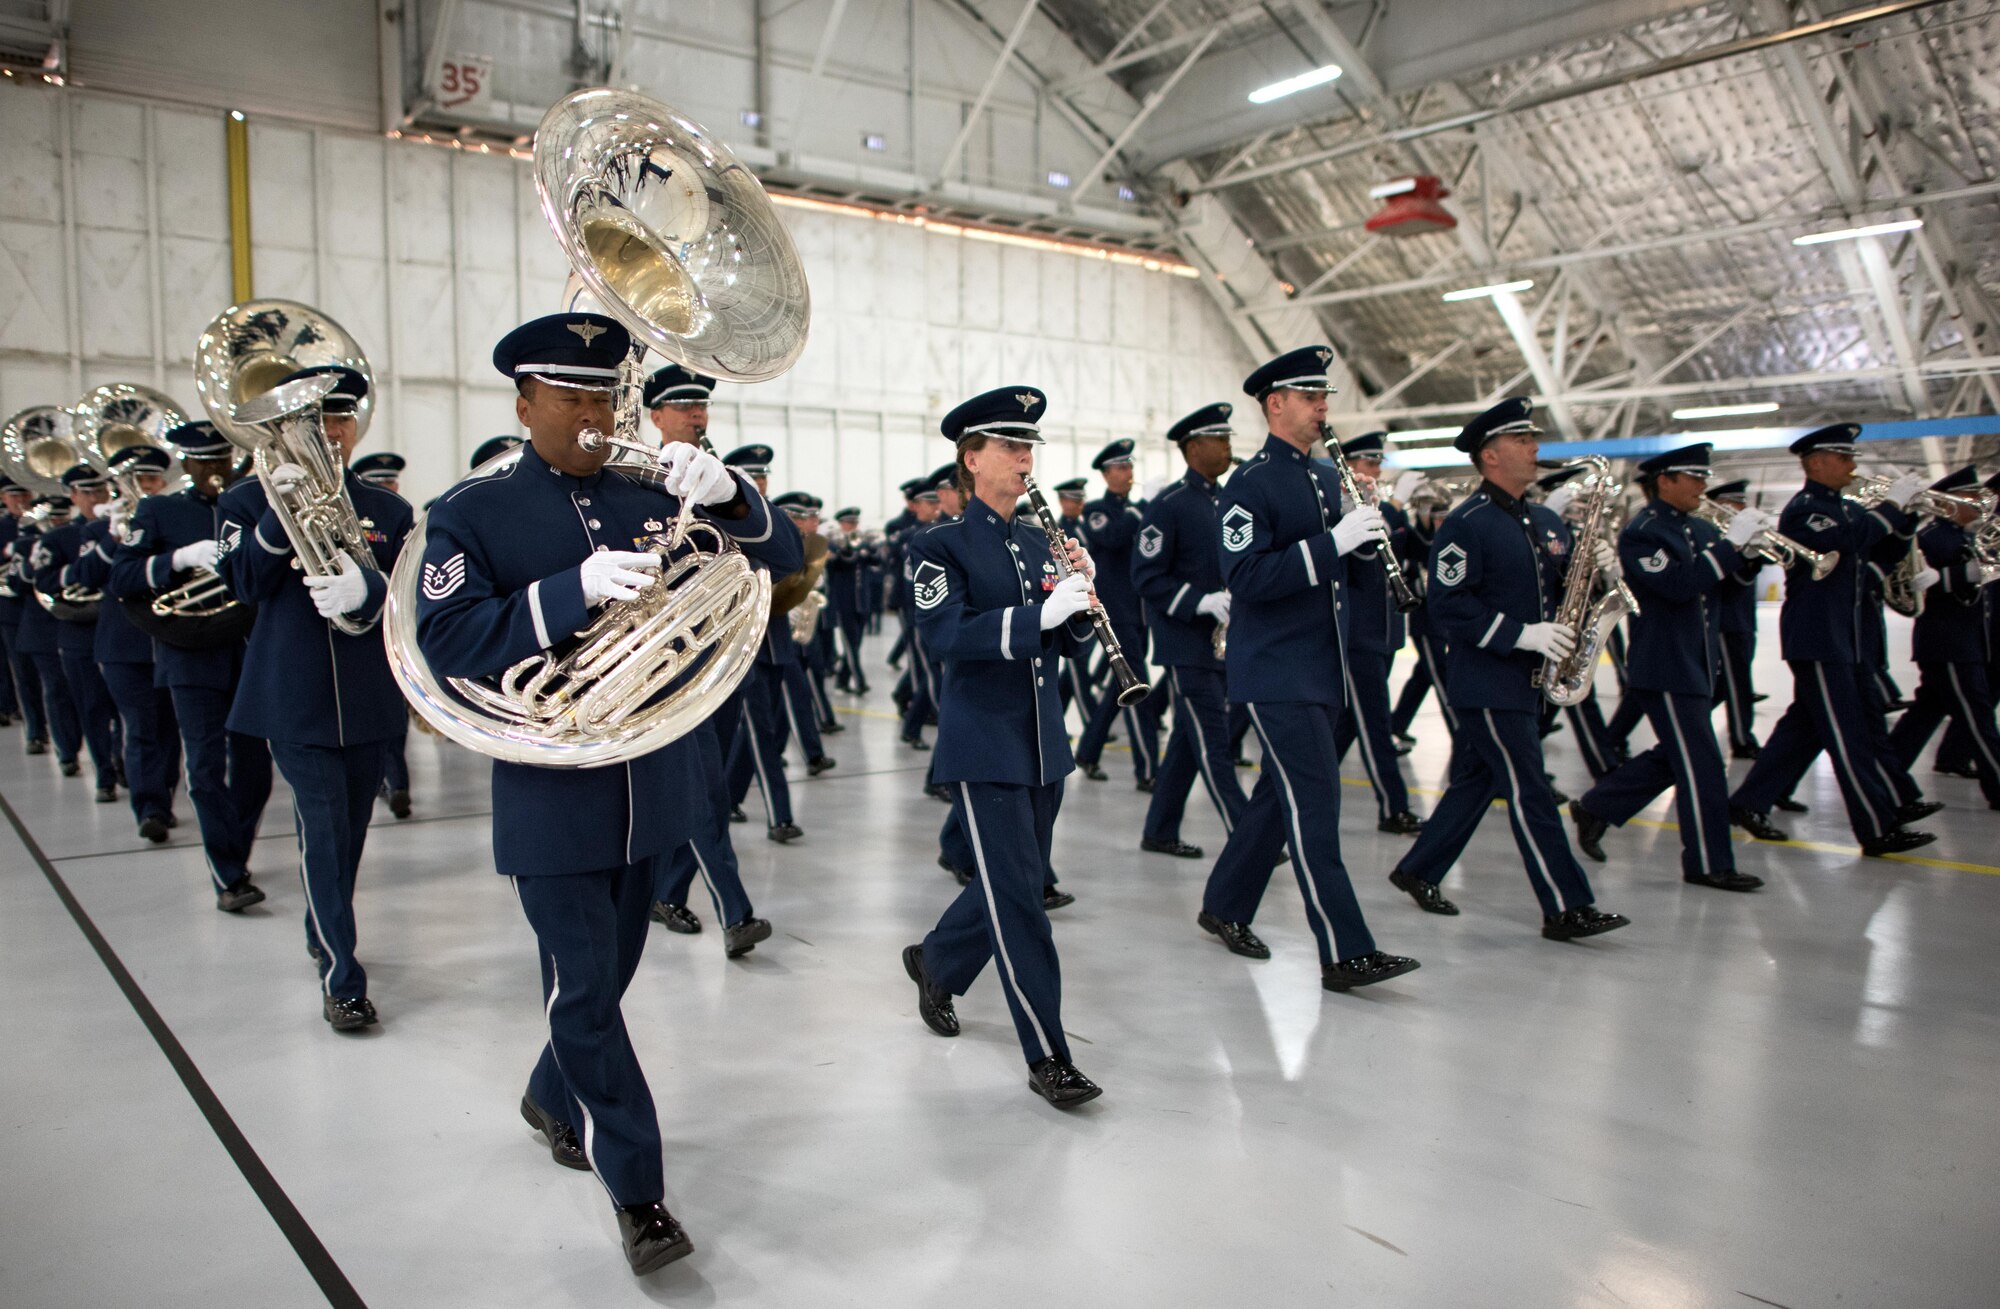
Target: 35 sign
[(465, 82)]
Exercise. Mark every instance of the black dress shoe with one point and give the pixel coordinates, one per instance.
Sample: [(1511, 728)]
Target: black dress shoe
[(742, 938), (1401, 747), (736, 815), (1756, 824), (653, 1237), (1054, 897), (349, 1015), (69, 767), (916, 743), (1590, 830), (1401, 824), (939, 791), (814, 767), (1949, 770), (1402, 738), (399, 803), (830, 726), (1745, 752), (1915, 810), (964, 875), (1425, 893), (1365, 970), (1058, 1082), (1144, 784), (1092, 771), (314, 953), (238, 896), (784, 832), (1179, 849), (1758, 697), (676, 918), (933, 1002), (37, 746), (171, 821), (107, 795), (153, 828), (1729, 881), (1585, 920), (1243, 761), (6, 719), (1895, 842), (563, 1147), (1236, 936), (1785, 804), (1556, 793)]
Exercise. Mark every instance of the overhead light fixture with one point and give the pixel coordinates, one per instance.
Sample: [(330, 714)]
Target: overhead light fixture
[(1383, 190), (1320, 76), (1058, 179), (1423, 434), (1477, 292), (874, 141), (1853, 233), (1726, 411)]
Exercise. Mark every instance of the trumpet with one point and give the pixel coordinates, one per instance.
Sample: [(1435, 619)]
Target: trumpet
[(1899, 584), (1131, 687), (1769, 544)]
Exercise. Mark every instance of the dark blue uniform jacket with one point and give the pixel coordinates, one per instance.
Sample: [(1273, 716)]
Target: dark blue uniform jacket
[(143, 565), (1949, 630), (1175, 563), (1110, 528), (1822, 621), (1676, 566), (1497, 565), (1287, 611)]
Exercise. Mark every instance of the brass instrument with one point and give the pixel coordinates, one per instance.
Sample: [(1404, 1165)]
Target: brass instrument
[(795, 598), (1131, 689), (1899, 584), (1770, 544), (118, 416), (1350, 485), (804, 616), (1218, 641), (1441, 492), (669, 234), (38, 445), (1567, 681)]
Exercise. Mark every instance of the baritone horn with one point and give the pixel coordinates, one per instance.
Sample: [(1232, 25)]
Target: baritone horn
[(1772, 545)]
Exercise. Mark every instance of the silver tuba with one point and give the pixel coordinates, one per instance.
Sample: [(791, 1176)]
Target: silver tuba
[(1568, 681), (38, 445), (120, 415), (667, 232)]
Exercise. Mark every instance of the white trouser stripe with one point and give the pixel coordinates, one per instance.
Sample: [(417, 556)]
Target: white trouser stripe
[(1514, 813), (1967, 720), (1201, 751), (749, 730), (1841, 760), (701, 865), (1694, 788), (1298, 833), (993, 917), (312, 909), (1437, 684), (1361, 738)]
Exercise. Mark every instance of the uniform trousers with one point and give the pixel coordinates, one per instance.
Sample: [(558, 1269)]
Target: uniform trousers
[(818, 654), (1142, 720), (27, 684), (1497, 753), (1686, 758), (1075, 687), (758, 750), (59, 704), (1827, 712), (999, 916), (1593, 741), (923, 699), (97, 713), (1199, 744), (396, 761), (152, 738), (10, 703), (1428, 673), (709, 852), (1366, 719), (229, 779), (850, 623), (333, 795), (1297, 799), (1739, 650), (590, 929), (1960, 692), (796, 702), (1630, 713)]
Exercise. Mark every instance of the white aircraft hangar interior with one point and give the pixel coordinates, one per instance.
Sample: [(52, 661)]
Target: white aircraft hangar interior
[(912, 652)]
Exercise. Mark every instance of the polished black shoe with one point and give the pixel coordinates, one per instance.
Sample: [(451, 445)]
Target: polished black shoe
[(238, 896), (1402, 824), (1729, 881), (1243, 761), (736, 815), (1758, 697), (964, 875), (1425, 893), (1895, 842), (676, 918), (171, 821), (1054, 897), (1590, 830), (653, 1237), (742, 938), (830, 726), (1756, 824), (1949, 770), (933, 1002), (939, 791), (349, 1015), (784, 832), (107, 795), (1236, 936), (1058, 1082), (1401, 747), (916, 743), (314, 953), (6, 719), (69, 767), (1179, 849), (1916, 810), (153, 828), (1402, 738), (1144, 784), (563, 1147), (1785, 804), (1745, 752), (814, 767), (1365, 970), (37, 746), (399, 803), (1585, 920), (1092, 771), (1556, 793)]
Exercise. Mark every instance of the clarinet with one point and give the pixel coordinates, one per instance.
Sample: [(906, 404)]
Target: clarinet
[(1131, 689), (1399, 588)]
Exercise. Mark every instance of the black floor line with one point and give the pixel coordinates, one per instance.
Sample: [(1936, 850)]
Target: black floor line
[(278, 834), (306, 1244)]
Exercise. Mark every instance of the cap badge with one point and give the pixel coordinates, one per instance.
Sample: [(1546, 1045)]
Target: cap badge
[(654, 525), (588, 331), (1325, 357), (1027, 400)]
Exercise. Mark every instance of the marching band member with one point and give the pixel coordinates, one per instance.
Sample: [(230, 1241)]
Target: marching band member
[(991, 608), (1820, 628), (515, 563), (39, 641), (758, 748), (324, 699), (1283, 534), (846, 585), (228, 773), (1594, 739), (1954, 752), (951, 508), (1110, 526), (1498, 570), (791, 696), (76, 640), (385, 470), (1178, 573), (1424, 517), (921, 705), (1737, 601), (23, 691), (1677, 564)]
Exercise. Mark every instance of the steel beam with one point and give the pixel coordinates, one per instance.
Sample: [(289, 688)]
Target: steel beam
[(1007, 48), (1154, 98)]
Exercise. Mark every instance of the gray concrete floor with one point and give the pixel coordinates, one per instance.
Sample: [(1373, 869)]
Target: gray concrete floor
[(1770, 1099)]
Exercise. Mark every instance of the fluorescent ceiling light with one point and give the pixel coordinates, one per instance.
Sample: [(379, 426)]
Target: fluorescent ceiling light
[(1726, 411), (1475, 292), (1423, 434), (1320, 76), (1851, 233), (1383, 190)]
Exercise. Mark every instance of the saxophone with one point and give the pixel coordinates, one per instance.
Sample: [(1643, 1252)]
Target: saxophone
[(1568, 681)]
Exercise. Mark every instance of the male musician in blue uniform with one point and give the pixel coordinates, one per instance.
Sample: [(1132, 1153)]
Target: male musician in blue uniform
[(1177, 570), (124, 654), (1676, 564), (1497, 575), (229, 773), (515, 564), (995, 614), (1374, 634), (846, 588), (385, 470), (919, 707), (1424, 512), (321, 695), (1736, 599), (76, 637), (1949, 640), (23, 692), (1284, 535), (40, 641), (1954, 752), (1820, 628), (1110, 529)]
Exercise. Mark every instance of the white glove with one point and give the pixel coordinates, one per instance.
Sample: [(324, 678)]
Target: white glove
[(1607, 560), (1070, 598), (1559, 499), (339, 593), (1357, 527), (1744, 527), (1215, 604), (1904, 487), (1405, 484), (1926, 578), (116, 514), (284, 477), (202, 554), (695, 474), (1551, 639), (617, 575)]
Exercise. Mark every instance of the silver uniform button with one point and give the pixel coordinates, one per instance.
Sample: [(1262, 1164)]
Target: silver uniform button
[(1038, 681), (602, 549), (584, 501), (594, 524)]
